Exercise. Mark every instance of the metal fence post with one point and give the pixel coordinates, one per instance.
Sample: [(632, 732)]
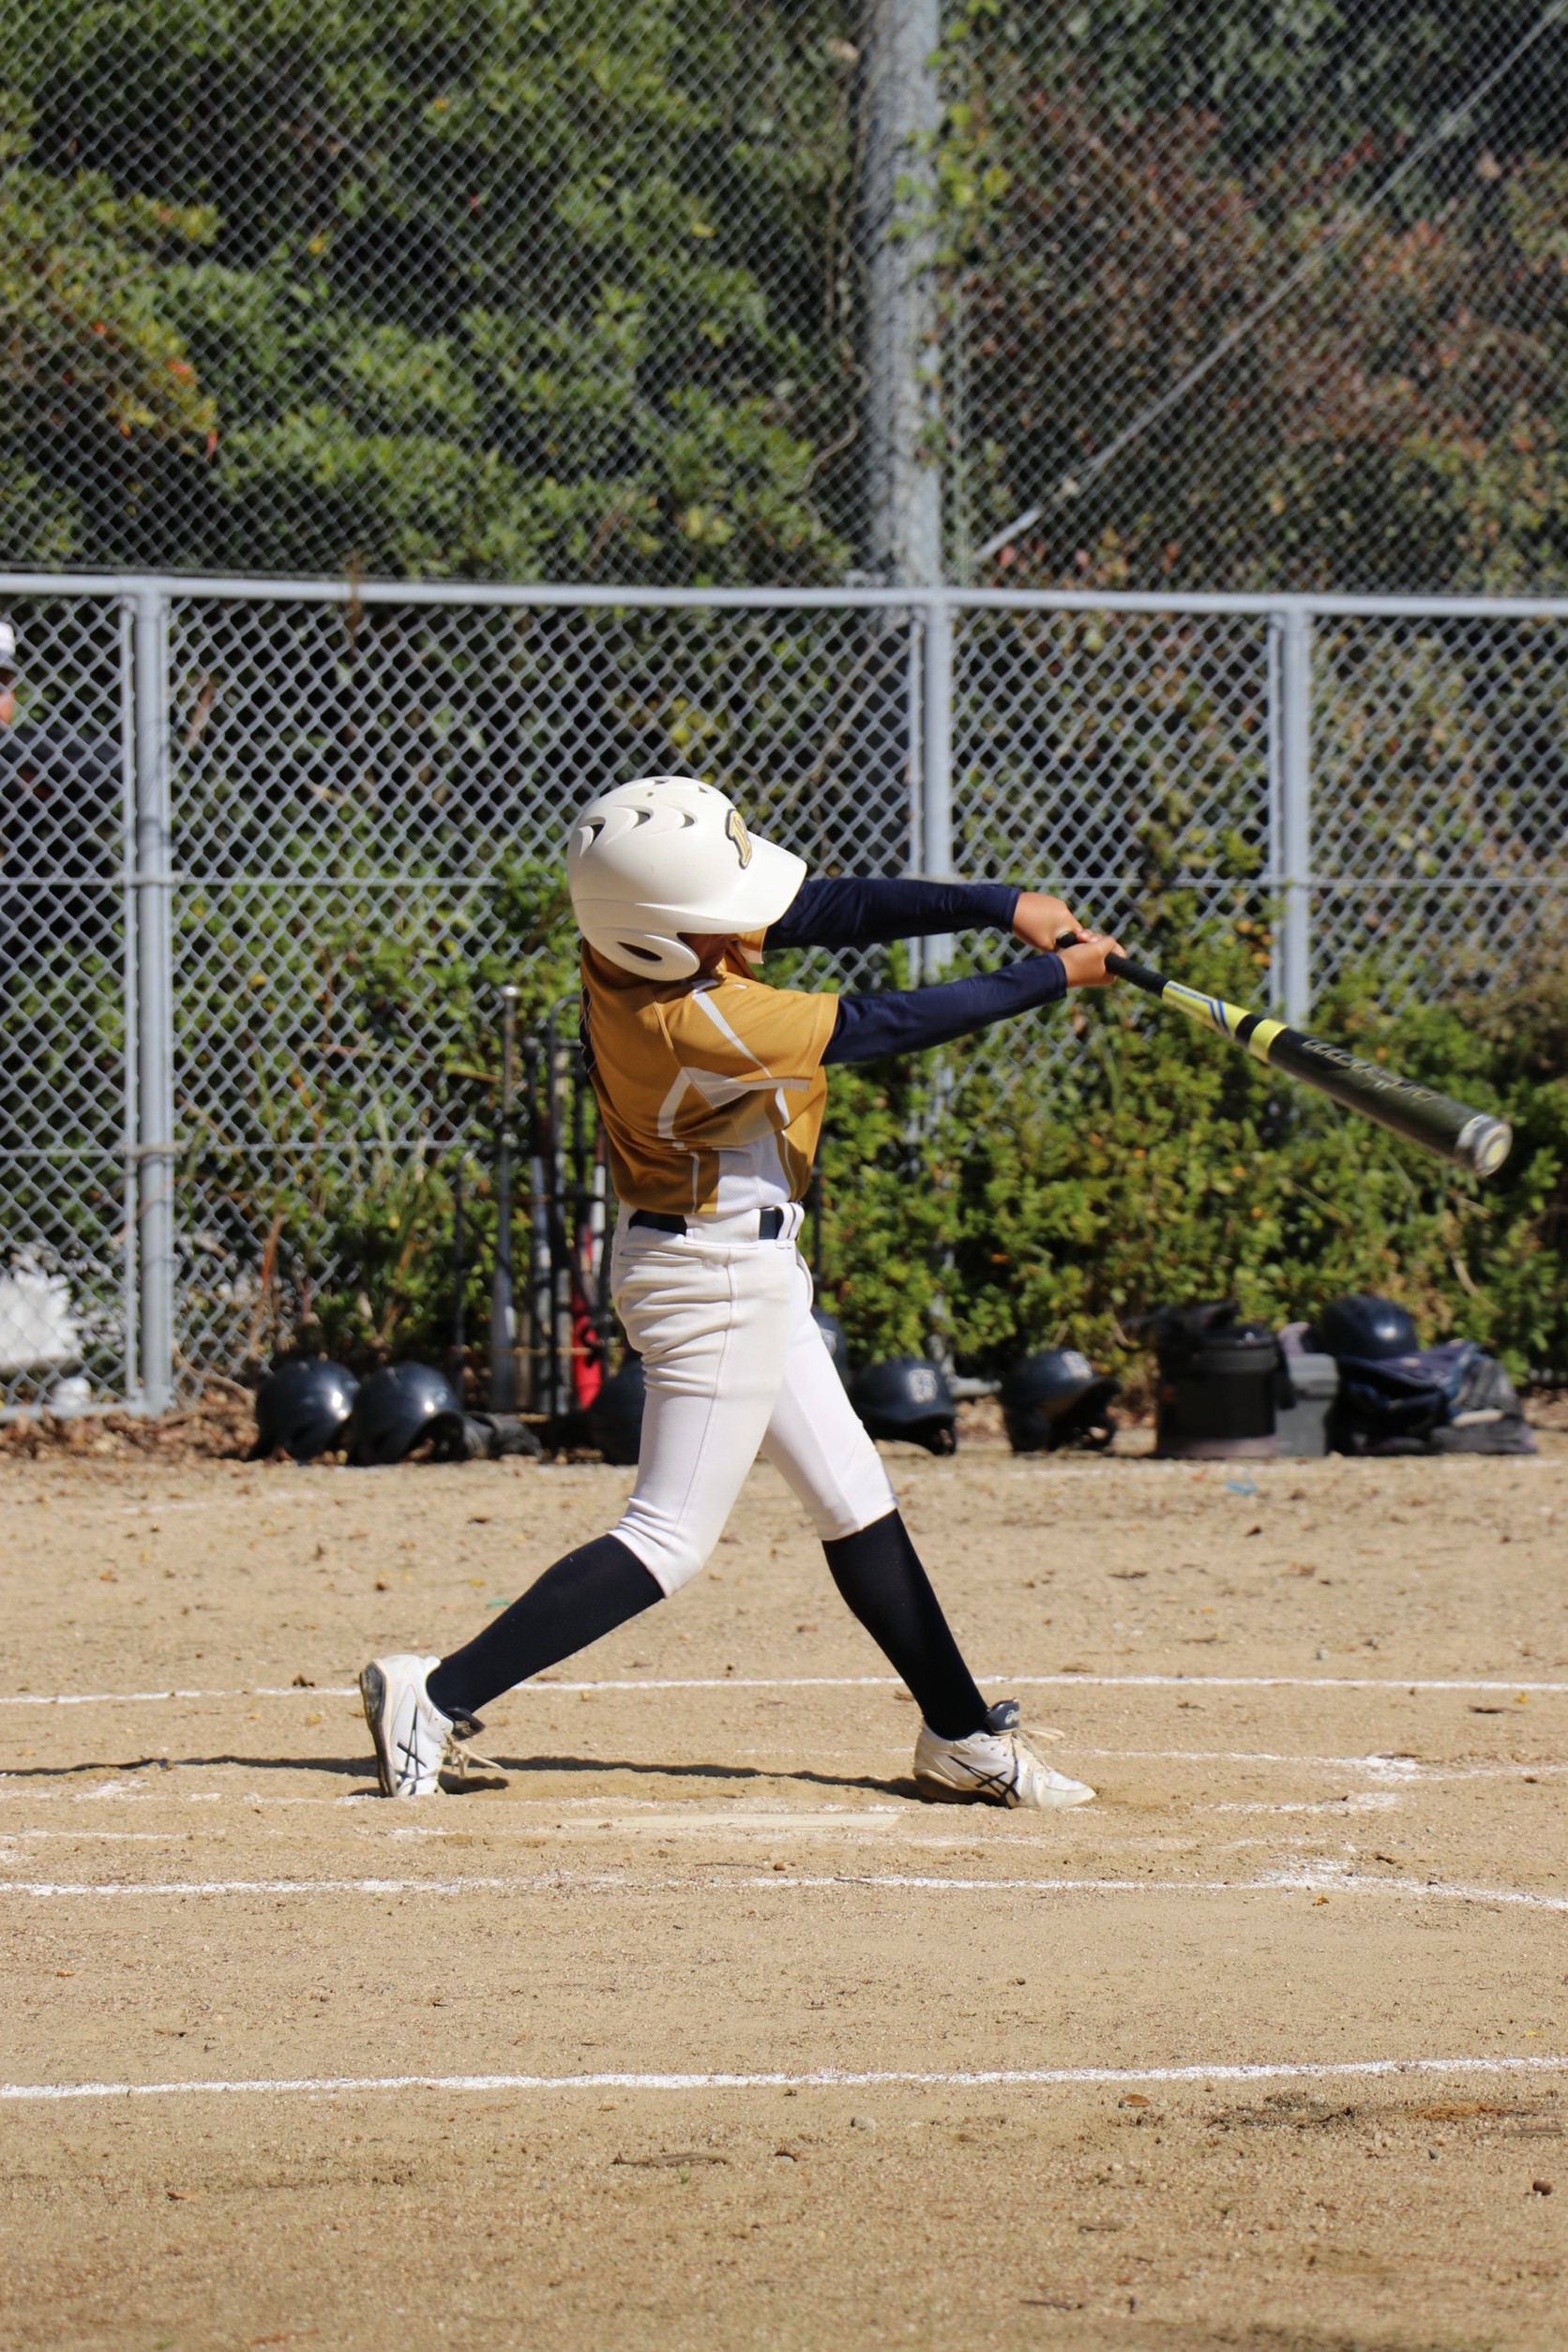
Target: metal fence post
[(501, 1394), (902, 114), (130, 1299), (1293, 859), (154, 1007), (914, 732), (937, 765)]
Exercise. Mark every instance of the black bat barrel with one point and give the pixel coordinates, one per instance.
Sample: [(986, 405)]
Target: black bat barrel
[(1471, 1138)]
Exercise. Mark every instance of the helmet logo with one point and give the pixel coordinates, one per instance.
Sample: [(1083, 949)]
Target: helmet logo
[(734, 830)]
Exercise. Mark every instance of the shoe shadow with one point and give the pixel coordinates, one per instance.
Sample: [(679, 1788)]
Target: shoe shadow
[(520, 1766), (475, 1784), (341, 1766)]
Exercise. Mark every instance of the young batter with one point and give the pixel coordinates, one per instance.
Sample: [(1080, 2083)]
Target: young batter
[(712, 1086)]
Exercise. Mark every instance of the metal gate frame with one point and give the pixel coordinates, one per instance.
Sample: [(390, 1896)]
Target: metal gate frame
[(929, 616)]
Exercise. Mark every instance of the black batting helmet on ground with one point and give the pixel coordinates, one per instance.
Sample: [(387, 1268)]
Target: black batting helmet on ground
[(907, 1398), (1056, 1398), (1363, 1325), (301, 1408), (393, 1411)]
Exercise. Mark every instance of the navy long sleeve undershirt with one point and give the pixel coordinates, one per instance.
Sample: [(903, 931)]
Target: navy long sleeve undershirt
[(908, 1020), (864, 912)]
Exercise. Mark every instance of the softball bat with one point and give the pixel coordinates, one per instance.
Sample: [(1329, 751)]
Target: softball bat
[(1471, 1138), (503, 1392)]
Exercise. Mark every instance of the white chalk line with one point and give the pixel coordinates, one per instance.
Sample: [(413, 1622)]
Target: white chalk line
[(1406, 1768), (822, 2078), (545, 1689), (1406, 1772), (1005, 1678), (210, 1502), (901, 1831), (10, 1839), (1324, 1879), (1369, 1801), (149, 1699)]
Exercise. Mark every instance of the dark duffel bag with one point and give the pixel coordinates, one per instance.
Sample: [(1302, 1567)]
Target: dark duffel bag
[(482, 1437), (1486, 1417), (1452, 1399)]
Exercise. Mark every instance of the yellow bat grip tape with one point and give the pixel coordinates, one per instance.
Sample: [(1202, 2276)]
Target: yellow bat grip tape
[(1225, 1019)]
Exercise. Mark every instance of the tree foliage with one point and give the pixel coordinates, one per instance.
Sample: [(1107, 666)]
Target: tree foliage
[(91, 360), (505, 292), (1118, 197), (512, 290)]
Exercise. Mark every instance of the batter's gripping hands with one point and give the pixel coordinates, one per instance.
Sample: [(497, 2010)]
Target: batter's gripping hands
[(1084, 961)]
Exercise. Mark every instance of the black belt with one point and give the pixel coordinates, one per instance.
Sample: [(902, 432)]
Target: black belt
[(770, 1222)]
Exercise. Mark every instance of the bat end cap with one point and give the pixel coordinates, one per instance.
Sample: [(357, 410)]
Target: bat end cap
[(1484, 1144)]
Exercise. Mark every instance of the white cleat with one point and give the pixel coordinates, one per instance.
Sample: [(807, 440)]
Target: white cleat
[(414, 1742), (1000, 1766)]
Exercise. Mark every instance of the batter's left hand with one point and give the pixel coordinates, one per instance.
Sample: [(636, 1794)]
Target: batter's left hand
[(1039, 920)]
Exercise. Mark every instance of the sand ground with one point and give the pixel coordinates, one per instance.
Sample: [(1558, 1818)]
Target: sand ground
[(1287, 2003)]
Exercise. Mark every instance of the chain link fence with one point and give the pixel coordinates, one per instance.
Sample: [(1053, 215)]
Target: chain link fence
[(270, 856), (795, 291), (68, 1314)]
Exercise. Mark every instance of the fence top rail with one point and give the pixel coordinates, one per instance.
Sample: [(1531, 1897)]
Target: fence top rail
[(137, 587)]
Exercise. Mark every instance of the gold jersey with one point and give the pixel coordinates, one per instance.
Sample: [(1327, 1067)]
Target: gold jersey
[(711, 1090)]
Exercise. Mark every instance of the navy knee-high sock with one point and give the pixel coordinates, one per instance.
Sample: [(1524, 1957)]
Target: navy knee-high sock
[(583, 1596), (878, 1574)]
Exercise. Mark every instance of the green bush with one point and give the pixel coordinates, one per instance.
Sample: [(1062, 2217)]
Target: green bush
[(1155, 1165), (351, 1084), (1004, 1203)]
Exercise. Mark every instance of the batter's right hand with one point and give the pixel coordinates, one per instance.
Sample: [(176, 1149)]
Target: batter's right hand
[(1084, 962)]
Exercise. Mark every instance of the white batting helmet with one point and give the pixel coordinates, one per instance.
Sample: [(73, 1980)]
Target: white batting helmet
[(665, 855)]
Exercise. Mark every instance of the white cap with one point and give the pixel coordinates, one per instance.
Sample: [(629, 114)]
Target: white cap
[(8, 647), (668, 854)]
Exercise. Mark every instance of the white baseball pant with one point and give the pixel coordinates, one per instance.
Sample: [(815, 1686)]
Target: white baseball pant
[(735, 1366)]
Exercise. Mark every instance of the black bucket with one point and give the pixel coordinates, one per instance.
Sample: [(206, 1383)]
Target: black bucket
[(615, 1416), (1217, 1385)]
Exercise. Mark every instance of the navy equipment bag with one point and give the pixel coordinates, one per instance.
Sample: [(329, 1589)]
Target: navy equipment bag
[(1452, 1399)]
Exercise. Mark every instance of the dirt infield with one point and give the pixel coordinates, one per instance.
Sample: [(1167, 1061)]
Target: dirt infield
[(718, 2035)]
